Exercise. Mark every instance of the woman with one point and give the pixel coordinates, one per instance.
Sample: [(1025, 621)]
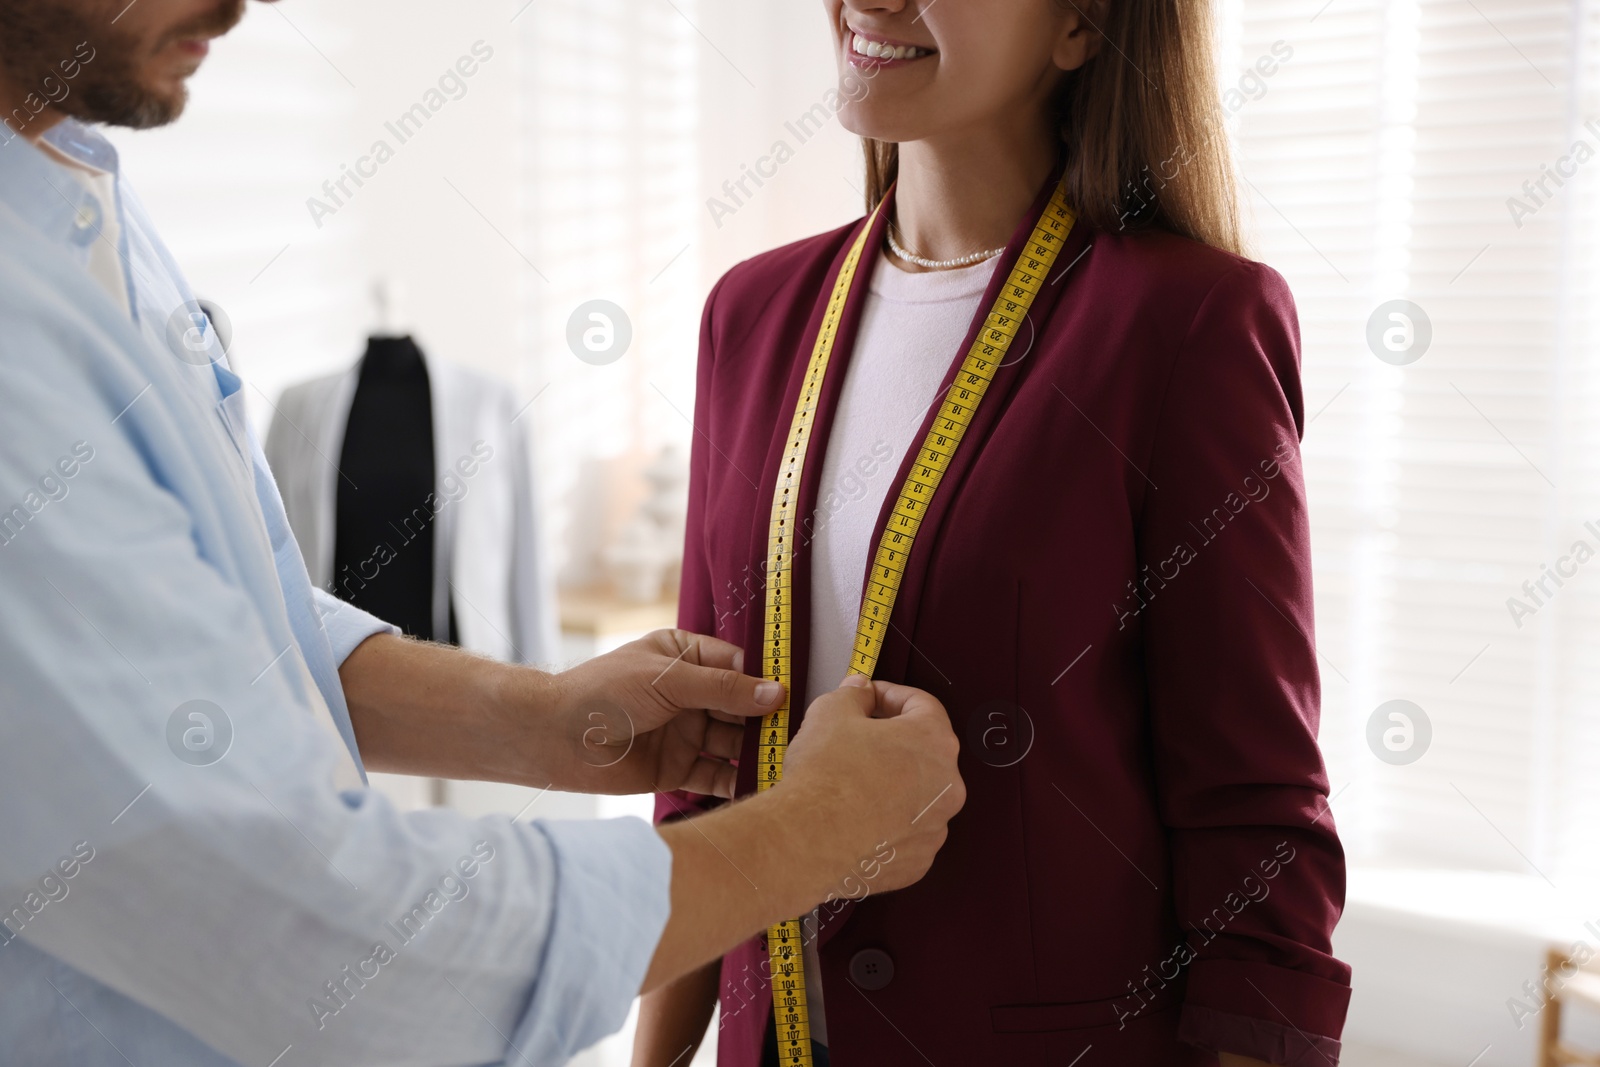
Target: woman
[(1110, 588)]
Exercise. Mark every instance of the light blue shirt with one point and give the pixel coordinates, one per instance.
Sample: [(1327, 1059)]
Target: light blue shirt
[(182, 881)]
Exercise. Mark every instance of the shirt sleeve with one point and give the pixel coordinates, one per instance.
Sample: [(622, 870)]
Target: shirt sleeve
[(611, 906), (1234, 687), (151, 743), (346, 624)]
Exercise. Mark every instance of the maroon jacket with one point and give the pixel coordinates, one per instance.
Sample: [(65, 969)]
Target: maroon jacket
[(1112, 596)]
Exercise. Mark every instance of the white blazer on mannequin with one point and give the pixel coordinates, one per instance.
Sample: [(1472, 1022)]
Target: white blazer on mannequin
[(487, 553)]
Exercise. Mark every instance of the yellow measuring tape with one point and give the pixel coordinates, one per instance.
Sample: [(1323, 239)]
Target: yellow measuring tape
[(988, 352)]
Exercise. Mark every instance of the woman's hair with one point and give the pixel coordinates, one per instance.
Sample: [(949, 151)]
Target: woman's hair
[(1142, 126)]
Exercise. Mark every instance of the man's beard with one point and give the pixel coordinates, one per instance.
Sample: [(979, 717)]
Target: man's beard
[(36, 39)]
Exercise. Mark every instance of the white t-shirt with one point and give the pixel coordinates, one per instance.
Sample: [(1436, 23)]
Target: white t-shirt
[(912, 328)]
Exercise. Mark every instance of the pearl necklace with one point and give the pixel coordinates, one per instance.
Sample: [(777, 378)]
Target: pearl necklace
[(939, 264)]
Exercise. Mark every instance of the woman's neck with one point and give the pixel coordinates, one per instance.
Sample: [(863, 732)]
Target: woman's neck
[(959, 196)]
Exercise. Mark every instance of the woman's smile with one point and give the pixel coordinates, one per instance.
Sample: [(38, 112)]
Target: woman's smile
[(872, 52)]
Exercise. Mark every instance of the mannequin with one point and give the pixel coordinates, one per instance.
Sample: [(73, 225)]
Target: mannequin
[(383, 531), (408, 483)]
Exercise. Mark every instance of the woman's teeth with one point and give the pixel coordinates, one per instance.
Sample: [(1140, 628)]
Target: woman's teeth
[(876, 50)]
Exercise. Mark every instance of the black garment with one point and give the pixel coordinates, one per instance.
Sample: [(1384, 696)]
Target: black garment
[(384, 515), (769, 1051)]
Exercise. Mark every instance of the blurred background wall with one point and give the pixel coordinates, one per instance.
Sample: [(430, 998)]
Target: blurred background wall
[(1435, 152)]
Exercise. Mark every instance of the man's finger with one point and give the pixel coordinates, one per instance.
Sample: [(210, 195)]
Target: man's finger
[(896, 700), (686, 646), (705, 651), (689, 685), (704, 673), (711, 778), (723, 740), (851, 698)]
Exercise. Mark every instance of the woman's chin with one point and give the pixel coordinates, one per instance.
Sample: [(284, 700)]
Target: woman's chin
[(874, 127)]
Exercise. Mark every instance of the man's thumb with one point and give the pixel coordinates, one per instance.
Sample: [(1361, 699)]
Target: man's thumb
[(687, 685), (854, 696)]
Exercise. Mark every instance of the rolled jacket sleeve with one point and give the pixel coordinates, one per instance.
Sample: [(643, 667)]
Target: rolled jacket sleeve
[(1234, 686)]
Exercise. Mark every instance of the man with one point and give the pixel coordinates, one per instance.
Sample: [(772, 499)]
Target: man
[(192, 871)]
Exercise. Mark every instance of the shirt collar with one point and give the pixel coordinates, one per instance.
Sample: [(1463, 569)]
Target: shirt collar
[(45, 196), (83, 143)]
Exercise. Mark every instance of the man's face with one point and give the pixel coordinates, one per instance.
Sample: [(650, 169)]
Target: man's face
[(109, 61)]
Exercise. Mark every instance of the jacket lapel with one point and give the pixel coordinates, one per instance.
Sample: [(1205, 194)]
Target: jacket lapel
[(899, 643), (811, 475)]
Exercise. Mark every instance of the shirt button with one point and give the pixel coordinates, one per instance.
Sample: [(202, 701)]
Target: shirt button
[(871, 969), (86, 221)]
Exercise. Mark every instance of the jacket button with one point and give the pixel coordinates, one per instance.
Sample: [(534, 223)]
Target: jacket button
[(871, 969)]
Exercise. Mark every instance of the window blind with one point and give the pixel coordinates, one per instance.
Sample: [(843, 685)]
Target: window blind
[(610, 120), (1379, 165)]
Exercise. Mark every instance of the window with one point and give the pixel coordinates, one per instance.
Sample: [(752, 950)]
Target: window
[(610, 181), (1384, 160)]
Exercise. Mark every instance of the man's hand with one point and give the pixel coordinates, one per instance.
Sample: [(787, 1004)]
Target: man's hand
[(664, 712), (873, 781), (873, 764), (633, 721)]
